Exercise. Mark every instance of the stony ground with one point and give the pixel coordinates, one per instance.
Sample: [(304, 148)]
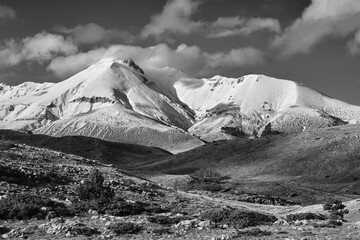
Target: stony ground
[(166, 213)]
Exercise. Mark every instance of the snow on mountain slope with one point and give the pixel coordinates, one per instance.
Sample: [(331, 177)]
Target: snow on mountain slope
[(107, 100), (9, 92), (119, 101), (227, 107)]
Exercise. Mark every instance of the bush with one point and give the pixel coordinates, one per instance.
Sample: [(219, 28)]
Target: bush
[(93, 189), (336, 208), (162, 231), (13, 175), (166, 220), (125, 228), (211, 187), (304, 216), (27, 206), (209, 176), (255, 232), (237, 218), (120, 208)]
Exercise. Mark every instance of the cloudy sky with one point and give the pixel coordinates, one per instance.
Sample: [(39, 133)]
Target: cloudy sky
[(315, 42)]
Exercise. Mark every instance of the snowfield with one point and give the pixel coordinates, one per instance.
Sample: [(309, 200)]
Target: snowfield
[(163, 107)]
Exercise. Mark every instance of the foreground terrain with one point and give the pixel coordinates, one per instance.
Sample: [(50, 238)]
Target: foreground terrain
[(51, 197)]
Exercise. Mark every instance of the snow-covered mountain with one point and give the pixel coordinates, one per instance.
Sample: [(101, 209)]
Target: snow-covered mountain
[(252, 104), (112, 100), (163, 107)]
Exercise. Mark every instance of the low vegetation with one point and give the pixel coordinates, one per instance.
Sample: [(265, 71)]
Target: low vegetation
[(94, 189), (337, 210), (254, 232), (166, 220), (207, 180), (237, 218), (125, 228), (27, 206), (304, 216)]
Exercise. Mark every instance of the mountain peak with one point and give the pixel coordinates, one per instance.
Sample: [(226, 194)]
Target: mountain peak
[(130, 62)]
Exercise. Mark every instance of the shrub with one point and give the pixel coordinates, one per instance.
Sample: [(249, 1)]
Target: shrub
[(13, 175), (208, 175), (125, 228), (255, 232), (120, 208), (93, 188), (336, 208), (304, 216), (211, 187), (27, 206), (237, 218), (162, 231), (166, 220)]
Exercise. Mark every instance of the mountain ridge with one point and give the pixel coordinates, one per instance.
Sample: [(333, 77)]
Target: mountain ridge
[(117, 100)]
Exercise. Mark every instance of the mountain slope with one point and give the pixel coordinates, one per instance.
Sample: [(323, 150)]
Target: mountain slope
[(111, 100), (121, 155), (228, 107), (315, 161)]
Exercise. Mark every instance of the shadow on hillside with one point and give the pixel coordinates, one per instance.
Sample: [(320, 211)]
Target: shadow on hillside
[(119, 154)]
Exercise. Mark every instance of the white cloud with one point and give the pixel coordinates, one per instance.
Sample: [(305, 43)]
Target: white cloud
[(354, 44), (190, 59), (234, 26), (322, 19), (174, 18), (235, 58), (7, 13), (93, 33), (41, 47)]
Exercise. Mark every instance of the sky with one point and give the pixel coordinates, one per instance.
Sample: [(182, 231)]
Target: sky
[(314, 42)]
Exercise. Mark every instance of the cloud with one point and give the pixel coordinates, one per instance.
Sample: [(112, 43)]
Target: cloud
[(354, 44), (234, 26), (322, 19), (174, 18), (7, 13), (235, 58), (41, 47), (93, 33), (190, 59)]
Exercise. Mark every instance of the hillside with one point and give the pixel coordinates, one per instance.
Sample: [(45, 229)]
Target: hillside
[(121, 155), (46, 194), (313, 164)]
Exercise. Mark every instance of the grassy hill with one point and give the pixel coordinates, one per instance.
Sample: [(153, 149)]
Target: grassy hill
[(313, 163)]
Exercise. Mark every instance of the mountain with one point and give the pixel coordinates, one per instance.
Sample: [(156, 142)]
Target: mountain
[(111, 100), (254, 105), (119, 101)]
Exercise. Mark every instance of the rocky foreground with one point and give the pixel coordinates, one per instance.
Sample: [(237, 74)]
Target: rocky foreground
[(45, 194)]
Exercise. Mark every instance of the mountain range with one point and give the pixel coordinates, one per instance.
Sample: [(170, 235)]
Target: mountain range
[(119, 101)]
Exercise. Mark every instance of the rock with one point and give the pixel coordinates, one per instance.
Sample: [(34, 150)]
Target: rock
[(68, 234), (92, 212), (203, 225), (282, 222)]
